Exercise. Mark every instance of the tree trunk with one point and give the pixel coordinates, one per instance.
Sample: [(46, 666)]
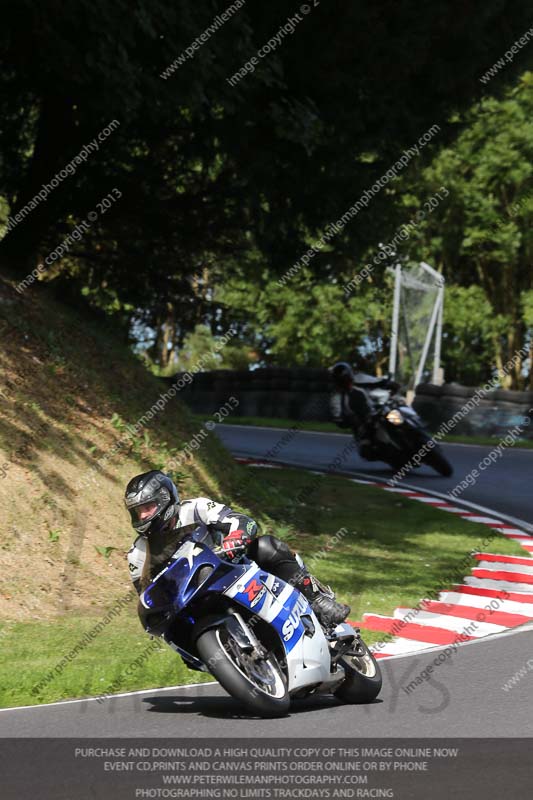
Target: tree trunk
[(166, 339), (498, 358), (56, 142)]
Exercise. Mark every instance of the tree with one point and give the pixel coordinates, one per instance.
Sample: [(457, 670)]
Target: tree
[(469, 327), (207, 168), (198, 346), (310, 322), (481, 237), (213, 174)]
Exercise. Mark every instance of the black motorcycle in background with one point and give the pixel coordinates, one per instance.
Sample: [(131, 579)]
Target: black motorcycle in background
[(395, 434)]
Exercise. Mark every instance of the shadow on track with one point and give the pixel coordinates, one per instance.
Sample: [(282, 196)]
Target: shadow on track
[(225, 707)]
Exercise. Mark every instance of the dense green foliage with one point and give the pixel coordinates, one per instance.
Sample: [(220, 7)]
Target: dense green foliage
[(482, 237), (225, 184)]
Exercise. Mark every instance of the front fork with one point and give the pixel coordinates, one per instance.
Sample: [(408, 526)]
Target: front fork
[(342, 640), (243, 634)]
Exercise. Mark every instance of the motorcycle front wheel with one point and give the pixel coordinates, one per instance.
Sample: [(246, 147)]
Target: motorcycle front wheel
[(363, 680), (438, 461), (257, 682)]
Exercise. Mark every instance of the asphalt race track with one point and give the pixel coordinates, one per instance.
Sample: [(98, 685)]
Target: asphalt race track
[(505, 486), (464, 696)]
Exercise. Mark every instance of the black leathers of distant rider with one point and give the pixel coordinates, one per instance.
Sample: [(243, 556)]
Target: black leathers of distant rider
[(353, 407)]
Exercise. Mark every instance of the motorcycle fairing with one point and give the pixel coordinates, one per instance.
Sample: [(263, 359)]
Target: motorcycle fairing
[(178, 583), (275, 601), (410, 415), (279, 604)]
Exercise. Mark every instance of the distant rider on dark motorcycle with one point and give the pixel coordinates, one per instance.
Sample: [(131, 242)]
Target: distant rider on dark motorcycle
[(161, 521), (351, 405)]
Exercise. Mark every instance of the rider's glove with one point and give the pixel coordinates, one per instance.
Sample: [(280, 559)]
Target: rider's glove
[(235, 541)]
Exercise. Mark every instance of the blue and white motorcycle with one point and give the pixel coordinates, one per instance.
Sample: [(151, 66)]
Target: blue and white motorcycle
[(256, 634)]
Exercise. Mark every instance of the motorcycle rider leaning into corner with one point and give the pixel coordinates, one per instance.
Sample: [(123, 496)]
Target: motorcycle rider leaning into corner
[(162, 520), (350, 403)]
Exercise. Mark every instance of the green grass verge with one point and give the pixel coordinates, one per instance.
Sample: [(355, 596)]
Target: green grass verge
[(377, 549), (105, 665), (396, 551), (330, 427)]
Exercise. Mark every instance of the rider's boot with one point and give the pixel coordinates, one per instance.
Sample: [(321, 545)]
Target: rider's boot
[(322, 600), (364, 437)]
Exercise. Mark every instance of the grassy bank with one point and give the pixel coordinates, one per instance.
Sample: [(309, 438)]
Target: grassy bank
[(375, 548)]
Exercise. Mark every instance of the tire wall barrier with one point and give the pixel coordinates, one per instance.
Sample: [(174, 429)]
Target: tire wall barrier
[(493, 413), (299, 394), (302, 394)]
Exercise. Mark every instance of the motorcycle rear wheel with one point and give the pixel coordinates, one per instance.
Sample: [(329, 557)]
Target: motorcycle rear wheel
[(363, 680), (258, 683)]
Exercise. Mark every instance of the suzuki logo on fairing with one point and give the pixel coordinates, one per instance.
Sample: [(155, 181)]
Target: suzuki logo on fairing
[(255, 591), (293, 620)]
